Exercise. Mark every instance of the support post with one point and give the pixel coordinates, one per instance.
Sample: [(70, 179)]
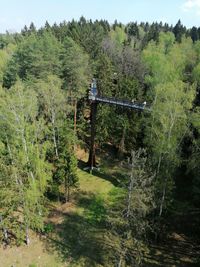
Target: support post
[(92, 158)]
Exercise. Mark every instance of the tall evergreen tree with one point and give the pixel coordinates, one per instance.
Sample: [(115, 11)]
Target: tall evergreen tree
[(75, 72)]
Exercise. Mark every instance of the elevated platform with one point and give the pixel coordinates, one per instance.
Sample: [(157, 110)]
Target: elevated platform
[(118, 102), (122, 103), (95, 97)]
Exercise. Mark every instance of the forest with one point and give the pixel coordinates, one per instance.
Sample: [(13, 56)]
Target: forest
[(141, 207)]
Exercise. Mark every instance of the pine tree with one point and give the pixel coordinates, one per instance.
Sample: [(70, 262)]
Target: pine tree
[(179, 30), (75, 72), (194, 34)]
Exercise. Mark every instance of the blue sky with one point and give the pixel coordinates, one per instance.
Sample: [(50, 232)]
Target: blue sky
[(16, 13)]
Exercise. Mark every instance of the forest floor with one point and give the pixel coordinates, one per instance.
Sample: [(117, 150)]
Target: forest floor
[(76, 240)]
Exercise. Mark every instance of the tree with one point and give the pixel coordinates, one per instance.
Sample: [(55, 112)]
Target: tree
[(128, 217), (5, 55), (133, 30), (75, 72), (25, 172), (54, 111), (193, 161), (32, 28), (47, 26), (66, 165), (24, 31), (35, 57), (194, 34), (179, 30), (53, 108), (172, 100)]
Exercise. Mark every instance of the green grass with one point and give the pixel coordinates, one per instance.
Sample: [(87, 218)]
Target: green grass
[(92, 183), (79, 239), (79, 236)]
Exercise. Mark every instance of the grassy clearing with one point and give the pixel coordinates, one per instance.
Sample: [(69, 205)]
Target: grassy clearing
[(78, 234), (93, 183), (77, 230), (33, 256)]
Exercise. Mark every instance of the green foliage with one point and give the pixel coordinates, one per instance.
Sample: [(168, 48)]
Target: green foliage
[(48, 228), (130, 208), (118, 35), (193, 164), (75, 68), (5, 55), (96, 212), (35, 57), (23, 161), (196, 74), (66, 163), (172, 101), (48, 72)]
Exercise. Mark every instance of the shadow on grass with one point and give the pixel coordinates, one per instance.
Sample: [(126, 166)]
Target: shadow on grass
[(116, 178), (79, 239), (169, 256)]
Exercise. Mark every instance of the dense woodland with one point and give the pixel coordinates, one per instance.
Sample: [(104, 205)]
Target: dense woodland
[(44, 119)]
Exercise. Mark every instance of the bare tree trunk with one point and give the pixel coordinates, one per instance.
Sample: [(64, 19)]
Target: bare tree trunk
[(54, 134), (159, 163), (67, 189), (123, 252), (75, 121), (68, 193), (120, 261), (27, 237), (165, 181), (122, 141), (55, 143), (163, 197), (5, 232), (75, 115), (26, 152), (129, 196)]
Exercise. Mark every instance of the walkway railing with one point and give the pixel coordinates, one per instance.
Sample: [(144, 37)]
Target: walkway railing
[(119, 102)]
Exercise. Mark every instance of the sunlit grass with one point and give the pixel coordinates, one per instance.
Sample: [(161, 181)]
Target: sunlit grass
[(93, 184)]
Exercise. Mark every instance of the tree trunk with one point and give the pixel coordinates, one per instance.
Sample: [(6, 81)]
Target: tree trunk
[(75, 121), (129, 197), (54, 133), (75, 115), (163, 197), (120, 261), (68, 193), (54, 141), (67, 189), (122, 141), (5, 232), (27, 237)]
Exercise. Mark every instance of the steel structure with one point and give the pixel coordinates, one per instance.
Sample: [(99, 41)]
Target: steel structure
[(95, 98)]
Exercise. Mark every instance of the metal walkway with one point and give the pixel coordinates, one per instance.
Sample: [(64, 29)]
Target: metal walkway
[(123, 103), (94, 97)]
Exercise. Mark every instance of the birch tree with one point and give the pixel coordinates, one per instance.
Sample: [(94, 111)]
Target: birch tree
[(172, 100), (25, 172)]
